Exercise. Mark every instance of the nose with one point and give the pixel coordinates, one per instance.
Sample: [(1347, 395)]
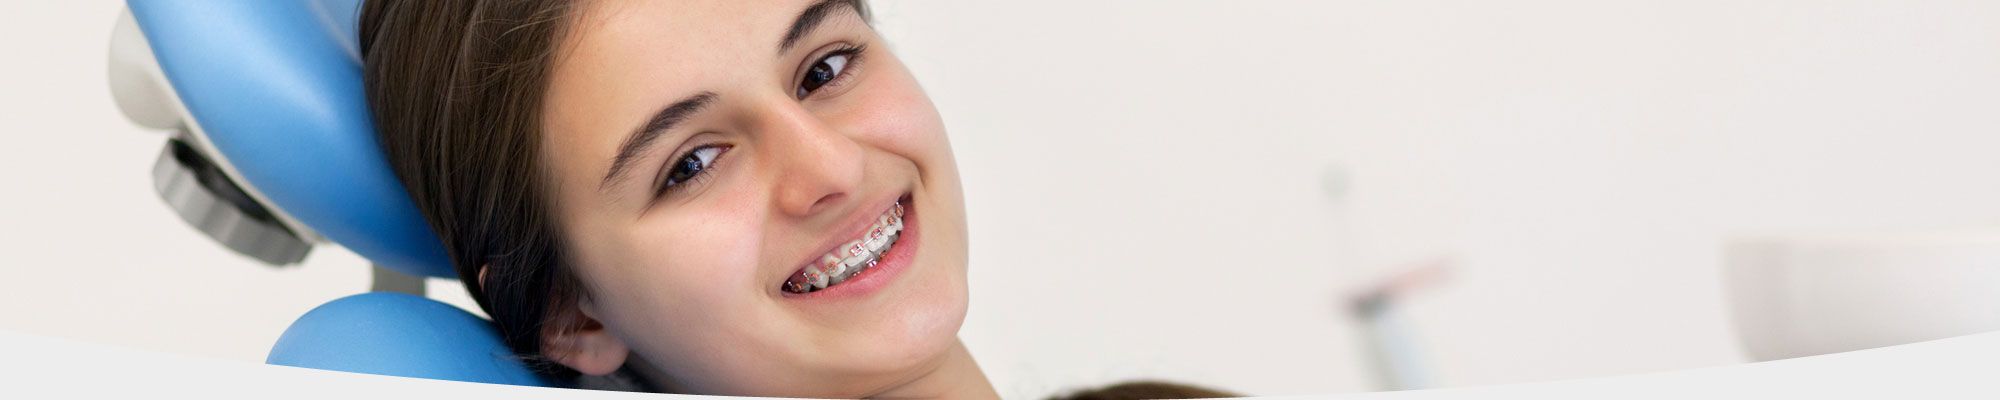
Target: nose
[(818, 166)]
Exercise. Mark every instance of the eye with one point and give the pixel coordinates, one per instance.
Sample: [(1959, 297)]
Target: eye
[(690, 166), (828, 69)]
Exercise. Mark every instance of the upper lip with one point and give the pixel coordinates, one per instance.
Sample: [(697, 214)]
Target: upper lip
[(857, 224)]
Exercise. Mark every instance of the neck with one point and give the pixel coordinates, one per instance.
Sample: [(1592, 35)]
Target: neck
[(957, 377)]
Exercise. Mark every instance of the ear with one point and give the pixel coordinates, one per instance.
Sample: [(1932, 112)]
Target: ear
[(574, 338)]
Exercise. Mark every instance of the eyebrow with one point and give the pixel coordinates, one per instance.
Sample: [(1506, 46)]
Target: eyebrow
[(658, 125), (664, 120), (811, 18)]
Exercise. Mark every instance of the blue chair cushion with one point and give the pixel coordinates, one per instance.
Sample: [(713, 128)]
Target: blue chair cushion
[(276, 87), (401, 335)]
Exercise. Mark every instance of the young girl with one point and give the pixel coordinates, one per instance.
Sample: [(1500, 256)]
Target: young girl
[(711, 197)]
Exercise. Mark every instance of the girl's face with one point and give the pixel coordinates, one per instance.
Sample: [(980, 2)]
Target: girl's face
[(715, 161)]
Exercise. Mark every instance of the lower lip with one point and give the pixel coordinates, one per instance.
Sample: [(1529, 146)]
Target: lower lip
[(886, 269)]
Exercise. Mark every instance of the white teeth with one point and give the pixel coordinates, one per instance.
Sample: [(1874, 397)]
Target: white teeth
[(876, 239), (854, 248), (835, 270), (819, 280), (850, 258)]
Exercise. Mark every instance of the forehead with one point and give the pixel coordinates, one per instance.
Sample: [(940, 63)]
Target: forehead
[(617, 28), (622, 60), (650, 46)]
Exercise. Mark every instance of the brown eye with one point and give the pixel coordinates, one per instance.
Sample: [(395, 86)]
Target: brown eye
[(691, 166), (826, 70)]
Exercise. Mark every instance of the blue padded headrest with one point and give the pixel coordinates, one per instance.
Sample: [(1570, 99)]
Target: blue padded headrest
[(276, 87), (401, 335)]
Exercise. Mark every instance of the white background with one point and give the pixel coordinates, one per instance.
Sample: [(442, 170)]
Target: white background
[(1144, 178)]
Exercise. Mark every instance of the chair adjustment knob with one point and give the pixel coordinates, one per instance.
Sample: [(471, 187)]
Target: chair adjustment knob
[(206, 198)]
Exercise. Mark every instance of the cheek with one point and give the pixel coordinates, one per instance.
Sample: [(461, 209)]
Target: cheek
[(890, 110), (679, 275)]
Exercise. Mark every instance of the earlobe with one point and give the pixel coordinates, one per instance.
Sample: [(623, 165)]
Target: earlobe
[(580, 342)]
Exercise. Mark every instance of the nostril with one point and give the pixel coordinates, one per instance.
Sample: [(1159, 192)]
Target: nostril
[(828, 200)]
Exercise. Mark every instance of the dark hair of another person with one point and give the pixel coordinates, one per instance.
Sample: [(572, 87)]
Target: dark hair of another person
[(1137, 390)]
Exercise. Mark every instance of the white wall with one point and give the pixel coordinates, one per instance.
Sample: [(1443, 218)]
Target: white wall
[(1144, 178)]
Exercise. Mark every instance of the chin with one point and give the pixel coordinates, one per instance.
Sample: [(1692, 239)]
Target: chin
[(914, 337)]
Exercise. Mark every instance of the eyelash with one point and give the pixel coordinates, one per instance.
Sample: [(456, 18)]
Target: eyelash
[(853, 53), (668, 186)]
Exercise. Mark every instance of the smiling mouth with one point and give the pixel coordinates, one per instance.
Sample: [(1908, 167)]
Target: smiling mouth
[(850, 259)]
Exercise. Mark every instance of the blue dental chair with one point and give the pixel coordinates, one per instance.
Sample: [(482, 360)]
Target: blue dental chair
[(271, 152)]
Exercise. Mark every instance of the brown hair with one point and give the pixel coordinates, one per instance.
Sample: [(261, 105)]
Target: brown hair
[(1136, 390), (456, 88)]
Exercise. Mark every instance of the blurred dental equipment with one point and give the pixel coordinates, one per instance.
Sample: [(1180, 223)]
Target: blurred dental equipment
[(1393, 354)]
